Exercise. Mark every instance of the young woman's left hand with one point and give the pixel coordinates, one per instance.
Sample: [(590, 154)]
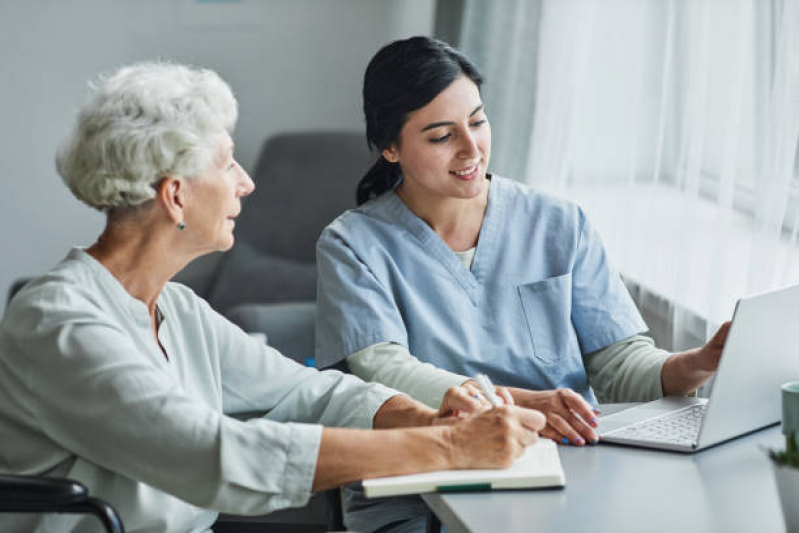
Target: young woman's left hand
[(685, 372)]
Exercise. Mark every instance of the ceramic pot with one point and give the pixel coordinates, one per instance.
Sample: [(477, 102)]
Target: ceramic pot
[(788, 487)]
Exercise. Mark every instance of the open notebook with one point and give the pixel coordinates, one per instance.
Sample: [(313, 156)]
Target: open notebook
[(538, 467)]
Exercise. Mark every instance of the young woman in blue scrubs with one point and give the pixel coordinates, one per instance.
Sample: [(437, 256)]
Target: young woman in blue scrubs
[(446, 270), (446, 264)]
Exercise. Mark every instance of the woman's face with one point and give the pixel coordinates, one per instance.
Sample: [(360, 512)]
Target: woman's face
[(445, 146), (214, 199)]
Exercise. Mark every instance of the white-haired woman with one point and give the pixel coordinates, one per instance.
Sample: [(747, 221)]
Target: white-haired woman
[(112, 376)]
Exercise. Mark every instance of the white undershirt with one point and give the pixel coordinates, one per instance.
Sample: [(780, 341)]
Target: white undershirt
[(467, 257)]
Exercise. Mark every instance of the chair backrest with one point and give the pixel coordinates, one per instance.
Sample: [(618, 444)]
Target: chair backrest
[(303, 181)]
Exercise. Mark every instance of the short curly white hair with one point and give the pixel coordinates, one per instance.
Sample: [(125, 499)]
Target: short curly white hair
[(144, 122)]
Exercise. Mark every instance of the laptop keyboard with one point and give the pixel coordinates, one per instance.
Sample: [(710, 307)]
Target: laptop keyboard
[(680, 427)]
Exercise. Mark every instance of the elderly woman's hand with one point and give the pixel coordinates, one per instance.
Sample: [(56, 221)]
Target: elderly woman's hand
[(493, 438)]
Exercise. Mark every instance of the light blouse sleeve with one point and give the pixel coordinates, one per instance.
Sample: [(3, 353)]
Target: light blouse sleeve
[(96, 395), (392, 365), (627, 371)]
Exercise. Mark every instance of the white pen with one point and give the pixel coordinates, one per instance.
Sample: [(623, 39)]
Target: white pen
[(488, 389)]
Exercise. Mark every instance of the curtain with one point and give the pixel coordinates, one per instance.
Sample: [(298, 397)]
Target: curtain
[(502, 39), (674, 123)]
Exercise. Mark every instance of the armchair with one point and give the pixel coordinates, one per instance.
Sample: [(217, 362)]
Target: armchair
[(267, 282)]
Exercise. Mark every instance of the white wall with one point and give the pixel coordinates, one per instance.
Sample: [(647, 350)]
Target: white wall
[(293, 64)]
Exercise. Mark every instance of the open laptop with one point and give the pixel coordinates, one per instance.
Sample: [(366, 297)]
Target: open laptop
[(761, 353)]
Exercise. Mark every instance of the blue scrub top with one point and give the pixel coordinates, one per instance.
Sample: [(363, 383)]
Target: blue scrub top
[(540, 295)]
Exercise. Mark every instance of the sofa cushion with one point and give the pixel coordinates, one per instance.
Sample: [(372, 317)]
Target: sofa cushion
[(289, 327), (248, 276)]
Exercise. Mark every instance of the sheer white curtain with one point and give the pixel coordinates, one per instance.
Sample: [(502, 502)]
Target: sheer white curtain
[(675, 124)]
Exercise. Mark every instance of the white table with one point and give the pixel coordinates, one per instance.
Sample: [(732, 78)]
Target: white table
[(616, 489)]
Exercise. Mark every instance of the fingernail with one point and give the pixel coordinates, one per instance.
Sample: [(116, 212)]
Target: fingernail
[(597, 411), (580, 442), (595, 441), (592, 422), (565, 441)]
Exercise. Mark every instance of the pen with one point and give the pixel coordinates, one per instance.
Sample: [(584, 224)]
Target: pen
[(488, 389)]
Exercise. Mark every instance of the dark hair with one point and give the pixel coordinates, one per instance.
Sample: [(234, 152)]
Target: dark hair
[(402, 77)]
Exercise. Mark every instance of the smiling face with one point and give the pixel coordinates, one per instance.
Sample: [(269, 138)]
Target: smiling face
[(444, 147), (214, 200)]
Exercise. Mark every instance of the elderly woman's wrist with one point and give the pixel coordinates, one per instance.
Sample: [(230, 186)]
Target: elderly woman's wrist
[(402, 411)]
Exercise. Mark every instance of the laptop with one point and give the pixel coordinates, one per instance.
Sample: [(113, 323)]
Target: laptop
[(761, 353)]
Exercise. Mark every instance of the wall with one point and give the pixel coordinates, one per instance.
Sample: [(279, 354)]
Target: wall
[(293, 64)]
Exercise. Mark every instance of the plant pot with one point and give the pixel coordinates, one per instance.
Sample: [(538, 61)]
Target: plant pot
[(787, 479)]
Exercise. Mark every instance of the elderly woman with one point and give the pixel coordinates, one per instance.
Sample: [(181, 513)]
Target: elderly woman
[(112, 376)]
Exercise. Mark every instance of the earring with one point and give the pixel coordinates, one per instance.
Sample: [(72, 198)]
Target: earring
[(181, 226)]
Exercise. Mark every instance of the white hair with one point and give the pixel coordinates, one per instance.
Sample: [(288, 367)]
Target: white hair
[(144, 122)]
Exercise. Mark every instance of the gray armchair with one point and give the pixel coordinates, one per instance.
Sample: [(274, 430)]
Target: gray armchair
[(267, 282)]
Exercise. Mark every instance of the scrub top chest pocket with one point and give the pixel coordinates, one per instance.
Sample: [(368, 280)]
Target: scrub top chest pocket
[(547, 309)]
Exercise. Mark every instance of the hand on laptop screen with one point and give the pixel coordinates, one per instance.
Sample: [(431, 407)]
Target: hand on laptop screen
[(685, 372)]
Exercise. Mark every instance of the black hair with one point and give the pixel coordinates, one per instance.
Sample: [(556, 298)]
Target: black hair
[(402, 77)]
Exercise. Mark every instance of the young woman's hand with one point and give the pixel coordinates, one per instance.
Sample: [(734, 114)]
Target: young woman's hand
[(570, 419), (493, 438), (466, 400), (685, 372)]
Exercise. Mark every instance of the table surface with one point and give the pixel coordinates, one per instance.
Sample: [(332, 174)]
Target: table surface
[(728, 487)]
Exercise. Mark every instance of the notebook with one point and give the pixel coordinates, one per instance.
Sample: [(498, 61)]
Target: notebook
[(538, 467), (759, 356)]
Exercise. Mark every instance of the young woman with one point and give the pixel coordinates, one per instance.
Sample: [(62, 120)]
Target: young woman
[(446, 270), (114, 377)]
